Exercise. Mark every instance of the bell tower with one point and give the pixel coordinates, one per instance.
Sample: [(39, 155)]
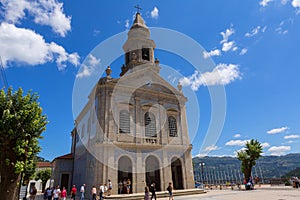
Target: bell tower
[(139, 48)]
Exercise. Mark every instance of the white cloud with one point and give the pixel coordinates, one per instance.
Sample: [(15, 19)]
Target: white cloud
[(278, 130), (265, 144), (236, 142), (85, 71), (281, 31), (290, 142), (127, 23), (237, 136), (211, 148), (62, 56), (283, 2), (96, 32), (222, 74), (44, 12), (279, 150), (154, 13), (264, 29), (88, 69), (227, 34), (23, 45), (291, 137), (227, 46), (264, 3), (296, 3), (200, 155), (241, 149), (14, 10), (243, 51), (93, 61), (253, 32), (50, 12), (215, 52)]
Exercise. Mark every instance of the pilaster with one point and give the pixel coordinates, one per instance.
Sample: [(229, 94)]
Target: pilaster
[(137, 107)]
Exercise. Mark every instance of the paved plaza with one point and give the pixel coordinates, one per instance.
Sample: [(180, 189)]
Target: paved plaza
[(263, 193)]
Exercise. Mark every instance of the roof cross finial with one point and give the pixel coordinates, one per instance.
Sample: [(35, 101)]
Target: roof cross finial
[(138, 8)]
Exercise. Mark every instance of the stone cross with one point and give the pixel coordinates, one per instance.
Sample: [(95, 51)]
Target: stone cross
[(138, 8)]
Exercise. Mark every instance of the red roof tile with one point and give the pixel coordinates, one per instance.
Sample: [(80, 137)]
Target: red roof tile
[(67, 156), (43, 165)]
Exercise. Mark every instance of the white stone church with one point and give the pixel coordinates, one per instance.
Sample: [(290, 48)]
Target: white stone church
[(133, 127)]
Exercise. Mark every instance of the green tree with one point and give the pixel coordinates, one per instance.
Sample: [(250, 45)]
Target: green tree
[(248, 157), (21, 125), (44, 176)]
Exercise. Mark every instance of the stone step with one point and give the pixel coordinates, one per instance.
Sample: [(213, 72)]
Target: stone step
[(140, 196)]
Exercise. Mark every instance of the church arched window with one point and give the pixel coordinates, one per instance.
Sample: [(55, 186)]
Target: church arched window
[(145, 54), (124, 122), (172, 126), (150, 125)]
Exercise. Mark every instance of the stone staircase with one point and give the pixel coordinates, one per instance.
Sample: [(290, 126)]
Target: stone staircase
[(140, 196)]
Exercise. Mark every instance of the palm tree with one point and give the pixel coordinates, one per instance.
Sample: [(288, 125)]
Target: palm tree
[(248, 156)]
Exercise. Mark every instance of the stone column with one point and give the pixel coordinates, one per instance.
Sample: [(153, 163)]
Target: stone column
[(189, 172), (167, 170), (163, 136), (110, 127), (183, 124), (140, 173), (137, 110), (112, 171)]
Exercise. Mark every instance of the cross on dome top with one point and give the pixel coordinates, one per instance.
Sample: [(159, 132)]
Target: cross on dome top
[(138, 8)]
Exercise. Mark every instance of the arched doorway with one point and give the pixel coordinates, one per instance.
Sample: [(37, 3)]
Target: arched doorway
[(124, 173), (177, 174), (152, 172)]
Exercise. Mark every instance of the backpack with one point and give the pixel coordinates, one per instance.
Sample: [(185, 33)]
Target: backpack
[(169, 188), (151, 189)]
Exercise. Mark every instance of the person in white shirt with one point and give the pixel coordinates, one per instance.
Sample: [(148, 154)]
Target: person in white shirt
[(56, 193), (82, 190), (109, 188), (101, 191)]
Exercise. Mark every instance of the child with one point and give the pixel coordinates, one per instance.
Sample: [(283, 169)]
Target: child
[(170, 190)]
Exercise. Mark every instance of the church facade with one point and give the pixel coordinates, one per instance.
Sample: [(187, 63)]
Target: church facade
[(134, 126)]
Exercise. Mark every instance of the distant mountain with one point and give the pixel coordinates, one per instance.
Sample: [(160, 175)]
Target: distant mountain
[(295, 172), (228, 168)]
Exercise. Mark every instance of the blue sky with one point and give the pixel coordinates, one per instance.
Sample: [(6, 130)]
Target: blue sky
[(255, 45)]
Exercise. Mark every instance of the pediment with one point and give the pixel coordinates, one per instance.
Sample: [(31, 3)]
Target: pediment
[(147, 78)]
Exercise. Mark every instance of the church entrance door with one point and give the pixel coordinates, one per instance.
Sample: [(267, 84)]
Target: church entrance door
[(153, 172), (125, 174), (177, 174)]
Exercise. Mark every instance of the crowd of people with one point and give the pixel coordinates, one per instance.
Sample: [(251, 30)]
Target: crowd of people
[(295, 182), (57, 193)]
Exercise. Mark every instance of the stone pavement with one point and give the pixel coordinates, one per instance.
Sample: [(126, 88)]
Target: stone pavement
[(274, 193)]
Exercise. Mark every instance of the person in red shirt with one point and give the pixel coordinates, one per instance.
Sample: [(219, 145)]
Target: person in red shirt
[(63, 194), (73, 192)]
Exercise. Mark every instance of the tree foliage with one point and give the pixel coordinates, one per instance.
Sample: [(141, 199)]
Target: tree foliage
[(248, 156), (44, 176), (295, 172), (21, 125)]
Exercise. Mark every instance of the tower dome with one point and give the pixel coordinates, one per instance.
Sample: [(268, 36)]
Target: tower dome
[(139, 48)]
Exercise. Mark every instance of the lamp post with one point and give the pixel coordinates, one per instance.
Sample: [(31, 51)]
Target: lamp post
[(202, 172)]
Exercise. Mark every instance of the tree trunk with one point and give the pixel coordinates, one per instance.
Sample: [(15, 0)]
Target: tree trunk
[(43, 186), (248, 173), (9, 183)]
